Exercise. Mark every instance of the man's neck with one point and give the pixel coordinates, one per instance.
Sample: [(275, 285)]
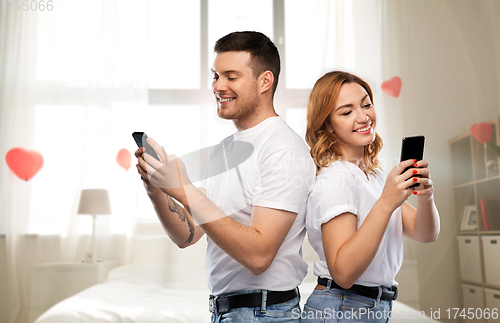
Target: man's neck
[(254, 119)]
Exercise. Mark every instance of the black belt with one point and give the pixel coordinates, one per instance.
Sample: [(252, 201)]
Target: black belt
[(372, 292), (222, 304)]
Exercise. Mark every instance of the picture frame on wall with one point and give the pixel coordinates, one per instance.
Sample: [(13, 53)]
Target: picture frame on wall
[(469, 219)]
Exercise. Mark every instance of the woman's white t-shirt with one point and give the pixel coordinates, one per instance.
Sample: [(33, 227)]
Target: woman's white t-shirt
[(343, 187)]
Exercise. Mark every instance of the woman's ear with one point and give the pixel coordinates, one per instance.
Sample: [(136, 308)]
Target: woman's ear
[(328, 127)]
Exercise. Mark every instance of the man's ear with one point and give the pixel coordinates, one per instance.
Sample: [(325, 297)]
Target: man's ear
[(266, 81)]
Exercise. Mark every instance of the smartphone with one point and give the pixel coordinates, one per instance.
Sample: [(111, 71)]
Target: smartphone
[(412, 148), (140, 140)]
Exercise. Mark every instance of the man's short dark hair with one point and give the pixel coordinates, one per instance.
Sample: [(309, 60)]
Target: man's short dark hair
[(263, 52)]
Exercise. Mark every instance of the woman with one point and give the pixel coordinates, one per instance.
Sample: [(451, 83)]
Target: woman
[(356, 216)]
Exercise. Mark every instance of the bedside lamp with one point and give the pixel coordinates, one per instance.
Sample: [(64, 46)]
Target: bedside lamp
[(94, 202)]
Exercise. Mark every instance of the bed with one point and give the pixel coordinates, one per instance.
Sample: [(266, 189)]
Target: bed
[(152, 289)]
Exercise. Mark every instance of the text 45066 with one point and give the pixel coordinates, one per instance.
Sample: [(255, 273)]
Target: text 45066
[(472, 313), (28, 5)]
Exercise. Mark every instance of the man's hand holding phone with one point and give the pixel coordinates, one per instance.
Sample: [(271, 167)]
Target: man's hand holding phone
[(159, 170), (150, 188), (166, 173)]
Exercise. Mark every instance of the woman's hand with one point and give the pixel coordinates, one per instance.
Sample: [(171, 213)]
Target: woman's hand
[(425, 190), (396, 189), (421, 224)]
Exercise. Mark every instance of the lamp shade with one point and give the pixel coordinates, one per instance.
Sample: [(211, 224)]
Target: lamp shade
[(94, 202)]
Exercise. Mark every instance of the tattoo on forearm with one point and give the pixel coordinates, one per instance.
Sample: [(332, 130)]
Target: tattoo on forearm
[(183, 216)]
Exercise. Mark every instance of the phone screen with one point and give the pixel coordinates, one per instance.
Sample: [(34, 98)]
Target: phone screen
[(412, 148), (140, 140)]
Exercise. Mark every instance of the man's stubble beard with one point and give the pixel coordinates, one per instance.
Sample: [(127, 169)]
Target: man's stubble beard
[(241, 113)]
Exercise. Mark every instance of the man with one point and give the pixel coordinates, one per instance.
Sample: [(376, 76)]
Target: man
[(252, 207)]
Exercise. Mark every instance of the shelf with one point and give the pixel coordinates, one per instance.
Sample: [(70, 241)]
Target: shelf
[(484, 285), (463, 185), (471, 282), (491, 232), (475, 232), (487, 179), (491, 286), (476, 187), (467, 233)]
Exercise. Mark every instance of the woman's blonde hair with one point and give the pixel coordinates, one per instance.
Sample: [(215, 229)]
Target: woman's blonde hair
[(323, 143)]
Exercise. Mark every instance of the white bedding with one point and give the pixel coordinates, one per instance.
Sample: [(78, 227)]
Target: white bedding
[(122, 301), (138, 293)]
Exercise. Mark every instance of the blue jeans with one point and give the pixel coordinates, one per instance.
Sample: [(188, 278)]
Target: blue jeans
[(332, 305), (283, 312)]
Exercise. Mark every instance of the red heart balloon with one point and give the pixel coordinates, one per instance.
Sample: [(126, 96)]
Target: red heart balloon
[(392, 87), (481, 132), (123, 158), (24, 163)]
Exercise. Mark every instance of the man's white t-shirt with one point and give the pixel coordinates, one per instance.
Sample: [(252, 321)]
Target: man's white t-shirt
[(343, 187), (268, 165)]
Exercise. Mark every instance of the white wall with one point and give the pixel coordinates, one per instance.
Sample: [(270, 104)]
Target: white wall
[(450, 79)]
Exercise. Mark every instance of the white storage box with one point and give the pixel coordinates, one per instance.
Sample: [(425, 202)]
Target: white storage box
[(468, 251), (492, 298), (473, 298), (491, 256)]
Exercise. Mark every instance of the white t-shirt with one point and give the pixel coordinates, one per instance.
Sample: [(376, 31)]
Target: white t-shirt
[(343, 187), (279, 174)]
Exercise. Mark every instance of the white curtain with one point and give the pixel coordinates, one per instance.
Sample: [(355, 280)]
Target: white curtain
[(365, 38), (361, 37), (72, 83)]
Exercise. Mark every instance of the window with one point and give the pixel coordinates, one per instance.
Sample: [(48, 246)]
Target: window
[(226, 16), (85, 132), (173, 62)]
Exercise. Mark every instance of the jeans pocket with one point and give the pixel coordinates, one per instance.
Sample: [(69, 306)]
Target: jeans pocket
[(238, 315), (288, 311), (359, 303), (278, 316)]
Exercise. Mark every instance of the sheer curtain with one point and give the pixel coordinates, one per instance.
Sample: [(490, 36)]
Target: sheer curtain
[(72, 83), (365, 38), (360, 38)]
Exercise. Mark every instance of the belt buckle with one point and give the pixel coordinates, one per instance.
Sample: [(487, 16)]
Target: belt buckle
[(211, 304), (218, 305)]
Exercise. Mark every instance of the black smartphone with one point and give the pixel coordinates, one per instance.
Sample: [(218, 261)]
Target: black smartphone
[(140, 140), (412, 148)]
